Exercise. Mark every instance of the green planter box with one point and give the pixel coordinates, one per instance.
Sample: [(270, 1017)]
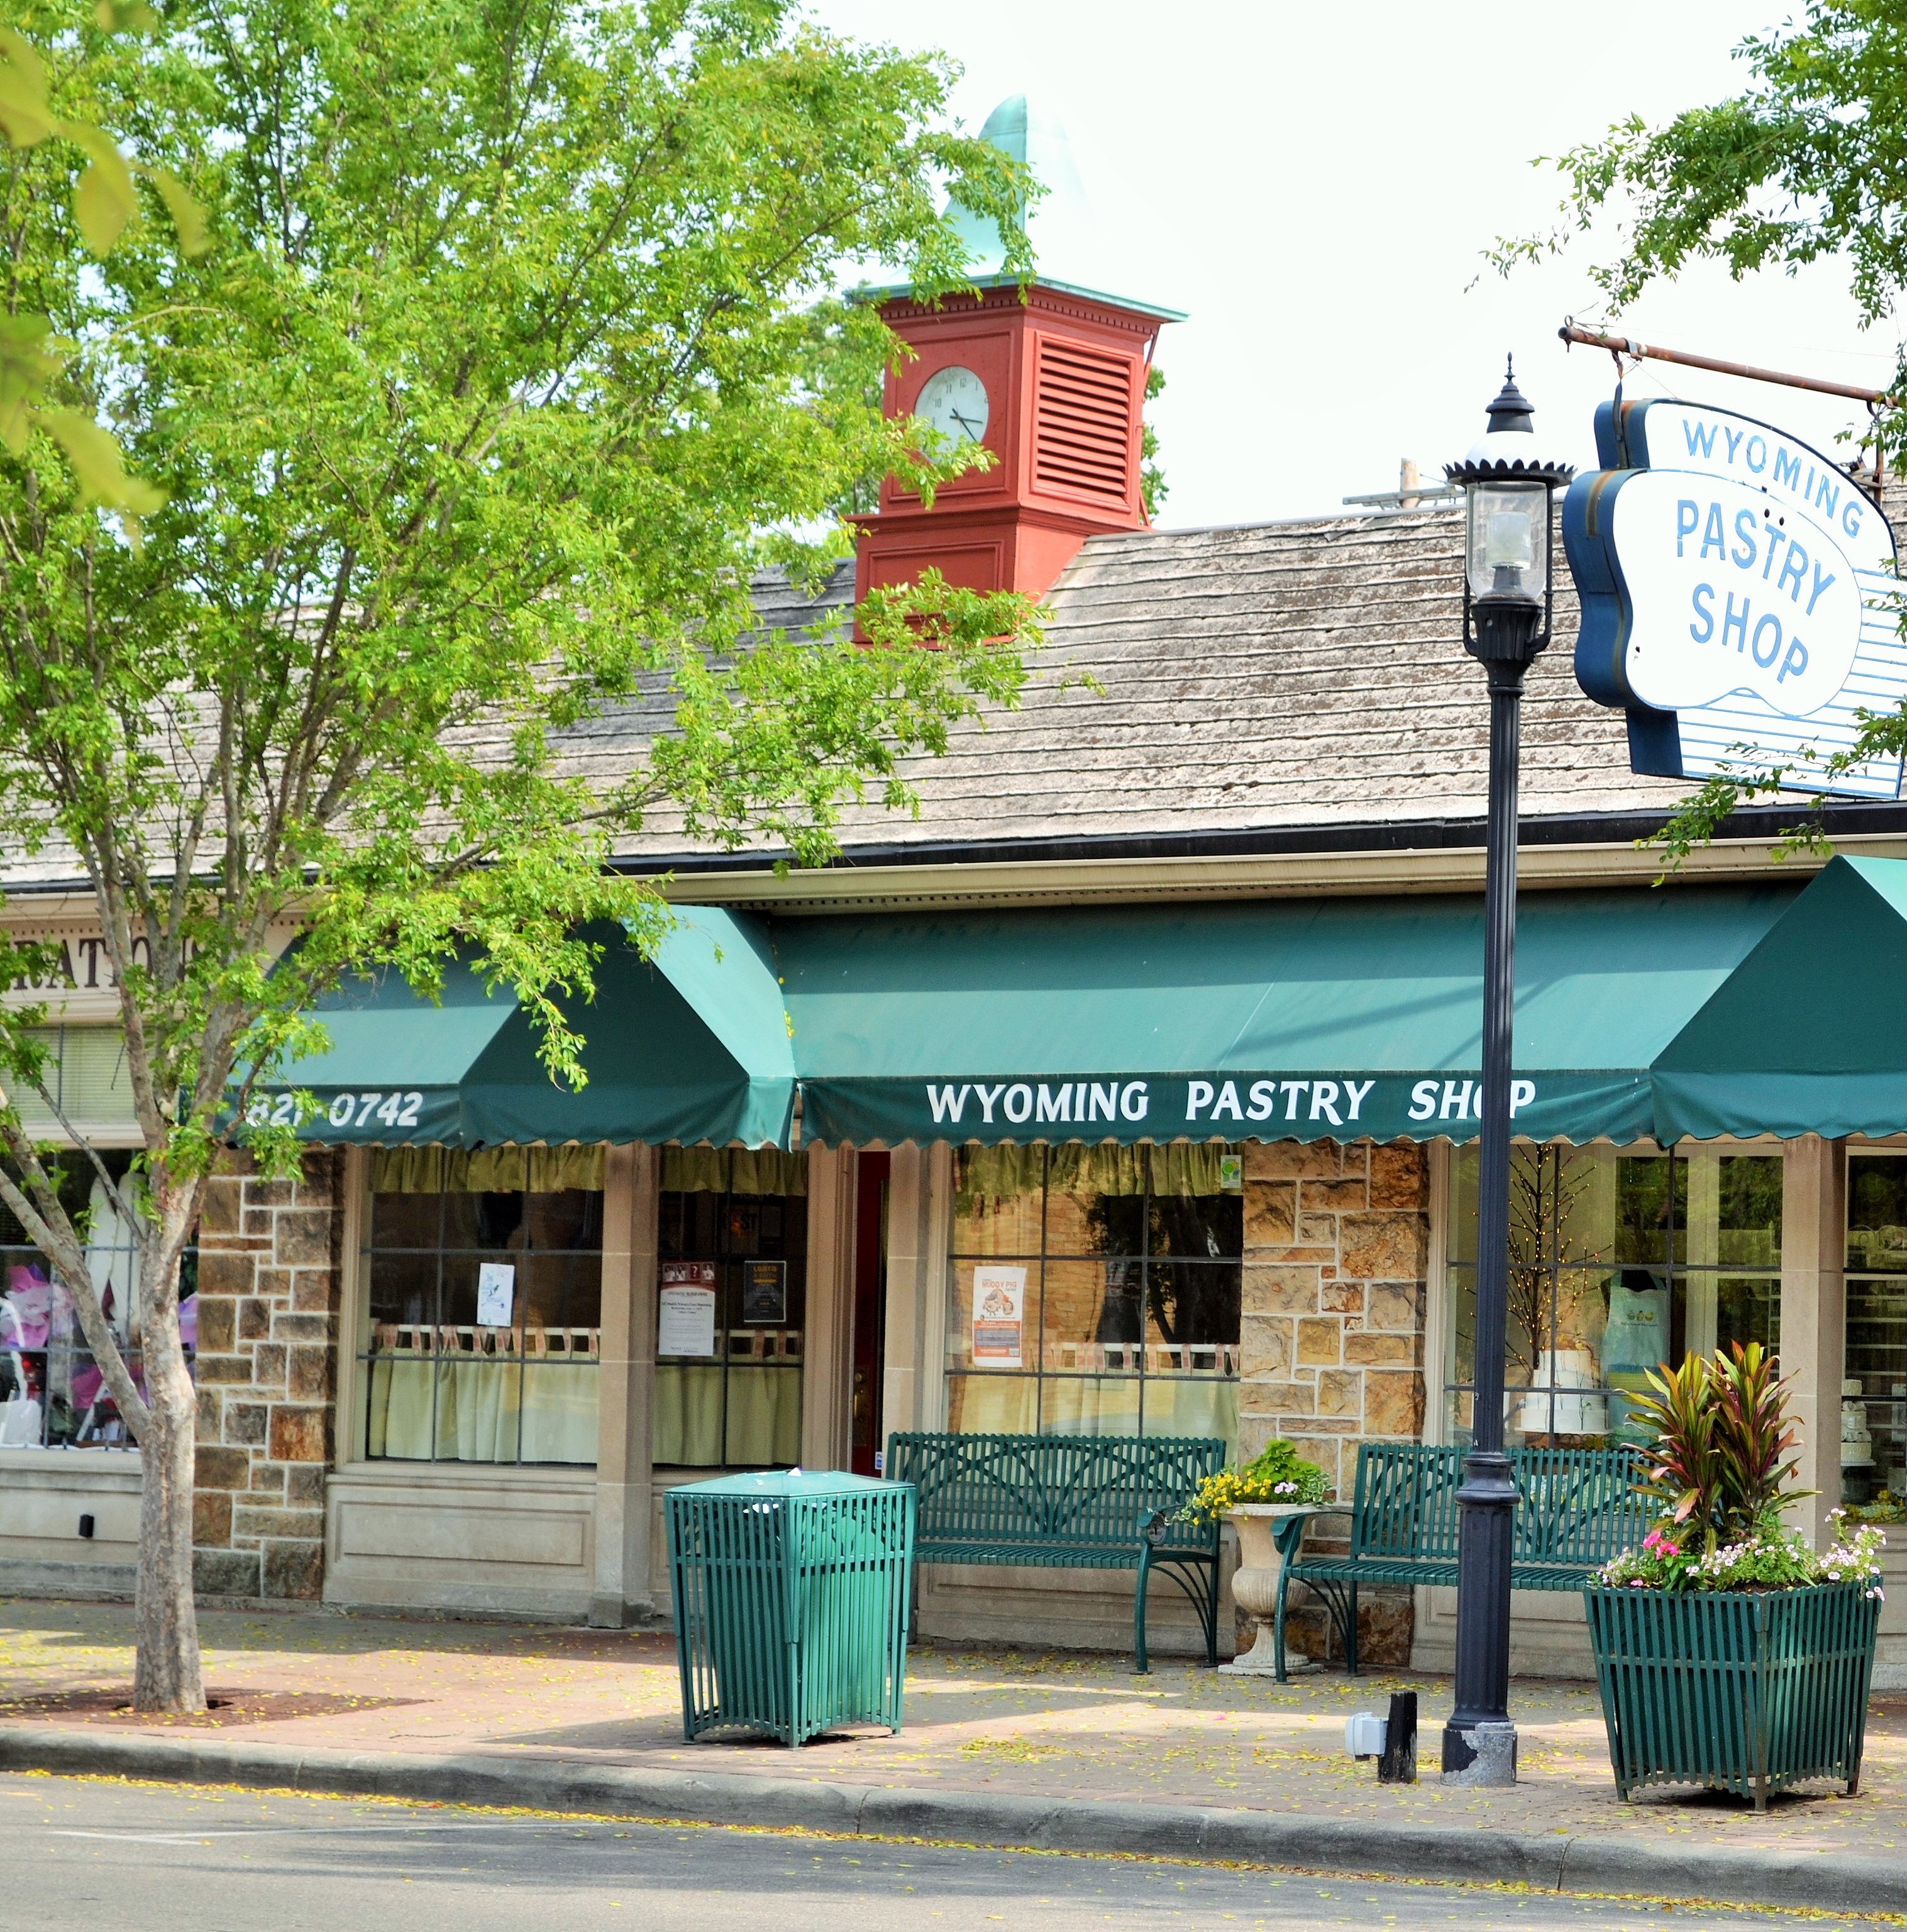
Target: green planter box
[(1746, 1691), (790, 1597)]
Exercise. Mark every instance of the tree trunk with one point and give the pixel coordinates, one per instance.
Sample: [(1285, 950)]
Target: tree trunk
[(167, 1677)]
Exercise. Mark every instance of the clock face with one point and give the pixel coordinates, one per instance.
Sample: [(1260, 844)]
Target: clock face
[(954, 400)]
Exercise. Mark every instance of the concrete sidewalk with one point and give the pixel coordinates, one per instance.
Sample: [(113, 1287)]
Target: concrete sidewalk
[(999, 1748)]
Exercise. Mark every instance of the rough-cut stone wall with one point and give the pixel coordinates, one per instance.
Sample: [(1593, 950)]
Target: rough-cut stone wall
[(1331, 1350), (268, 1286)]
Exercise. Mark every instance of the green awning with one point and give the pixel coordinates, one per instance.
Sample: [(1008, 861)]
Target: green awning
[(692, 1047), (1809, 1034), (1331, 1018)]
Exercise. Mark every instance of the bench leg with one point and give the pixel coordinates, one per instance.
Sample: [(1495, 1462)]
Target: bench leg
[(1211, 1622), (1141, 1664), (1278, 1624), (1351, 1633)]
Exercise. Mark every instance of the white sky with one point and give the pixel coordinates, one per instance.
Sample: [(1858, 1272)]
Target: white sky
[(1311, 184)]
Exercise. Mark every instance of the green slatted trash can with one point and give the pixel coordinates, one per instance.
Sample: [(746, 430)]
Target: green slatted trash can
[(791, 1594)]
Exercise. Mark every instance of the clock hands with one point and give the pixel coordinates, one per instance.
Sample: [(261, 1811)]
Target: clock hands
[(973, 434)]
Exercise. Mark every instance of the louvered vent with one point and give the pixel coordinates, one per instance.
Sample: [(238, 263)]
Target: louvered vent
[(1082, 423)]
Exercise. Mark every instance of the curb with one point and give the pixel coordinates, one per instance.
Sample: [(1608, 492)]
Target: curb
[(1454, 1854)]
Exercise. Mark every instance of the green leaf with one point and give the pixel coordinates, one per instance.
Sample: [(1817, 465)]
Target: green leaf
[(26, 368), (98, 464), (126, 17), (106, 202), (19, 53), (188, 217), (26, 118)]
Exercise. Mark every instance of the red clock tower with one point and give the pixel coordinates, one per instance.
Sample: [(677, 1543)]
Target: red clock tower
[(1051, 381)]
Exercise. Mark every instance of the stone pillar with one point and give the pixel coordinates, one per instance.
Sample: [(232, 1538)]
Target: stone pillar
[(828, 1339), (1813, 1317), (902, 1380), (626, 1390), (267, 1368), (1331, 1342)]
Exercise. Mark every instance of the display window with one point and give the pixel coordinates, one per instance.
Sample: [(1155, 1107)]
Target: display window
[(1874, 1392), (1095, 1290), (1619, 1260), (732, 1293), (482, 1329), (53, 1394)]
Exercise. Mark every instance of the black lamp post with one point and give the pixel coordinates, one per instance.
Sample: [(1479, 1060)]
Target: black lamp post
[(1507, 606)]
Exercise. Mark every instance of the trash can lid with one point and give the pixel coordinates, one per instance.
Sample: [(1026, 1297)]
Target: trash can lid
[(786, 1483)]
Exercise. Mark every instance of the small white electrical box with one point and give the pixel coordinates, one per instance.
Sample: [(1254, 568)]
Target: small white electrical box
[(1364, 1735)]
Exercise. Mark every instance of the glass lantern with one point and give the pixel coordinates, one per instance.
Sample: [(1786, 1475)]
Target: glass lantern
[(1509, 540)]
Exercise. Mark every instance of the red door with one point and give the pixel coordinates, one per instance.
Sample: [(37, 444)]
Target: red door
[(865, 1435)]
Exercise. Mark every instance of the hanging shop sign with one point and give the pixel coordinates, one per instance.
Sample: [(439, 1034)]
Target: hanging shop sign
[(1739, 599)]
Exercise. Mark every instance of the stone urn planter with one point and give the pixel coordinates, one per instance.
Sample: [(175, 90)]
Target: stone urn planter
[(1747, 1691), (1267, 1533)]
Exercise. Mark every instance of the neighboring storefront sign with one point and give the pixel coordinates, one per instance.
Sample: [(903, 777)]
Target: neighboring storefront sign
[(999, 1303), (1738, 597), (685, 1318)]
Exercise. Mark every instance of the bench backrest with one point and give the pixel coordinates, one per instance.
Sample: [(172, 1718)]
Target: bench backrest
[(1050, 1492), (1574, 1506)]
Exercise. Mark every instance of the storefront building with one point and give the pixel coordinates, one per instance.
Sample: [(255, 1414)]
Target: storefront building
[(1132, 1088)]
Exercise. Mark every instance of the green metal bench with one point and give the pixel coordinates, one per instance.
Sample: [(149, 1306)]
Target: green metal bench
[(1576, 1509), (1071, 1502)]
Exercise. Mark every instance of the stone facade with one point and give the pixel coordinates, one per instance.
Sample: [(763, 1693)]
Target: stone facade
[(1332, 1333), (269, 1298)]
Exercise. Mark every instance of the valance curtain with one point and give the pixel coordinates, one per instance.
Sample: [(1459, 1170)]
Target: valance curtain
[(999, 1173), (492, 1170), (712, 1170)]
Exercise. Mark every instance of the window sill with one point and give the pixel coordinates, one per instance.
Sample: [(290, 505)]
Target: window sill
[(62, 1461), (398, 1473), (672, 1474)]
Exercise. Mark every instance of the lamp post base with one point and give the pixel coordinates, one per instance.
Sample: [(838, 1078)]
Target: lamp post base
[(1479, 1754)]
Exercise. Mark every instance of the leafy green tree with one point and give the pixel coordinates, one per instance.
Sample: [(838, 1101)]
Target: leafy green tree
[(513, 348), (105, 201), (1809, 161)]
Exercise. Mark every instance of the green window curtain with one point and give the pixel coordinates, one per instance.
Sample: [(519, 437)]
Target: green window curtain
[(992, 1174), (708, 1170), (497, 1170), (1000, 1173)]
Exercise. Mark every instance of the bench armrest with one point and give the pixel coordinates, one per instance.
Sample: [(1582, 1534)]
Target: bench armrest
[(1290, 1536), (1156, 1528)]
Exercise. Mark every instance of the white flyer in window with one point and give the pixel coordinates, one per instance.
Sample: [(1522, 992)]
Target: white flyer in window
[(1000, 1303), (496, 1294), (685, 1318)]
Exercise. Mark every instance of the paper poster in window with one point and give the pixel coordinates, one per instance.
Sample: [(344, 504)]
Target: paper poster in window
[(685, 1320), (1000, 1302), (765, 1294), (496, 1294)]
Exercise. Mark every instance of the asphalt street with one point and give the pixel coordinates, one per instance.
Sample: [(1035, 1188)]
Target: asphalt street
[(177, 1859)]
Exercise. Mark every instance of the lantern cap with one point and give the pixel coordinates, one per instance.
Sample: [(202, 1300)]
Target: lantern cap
[(1509, 450)]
